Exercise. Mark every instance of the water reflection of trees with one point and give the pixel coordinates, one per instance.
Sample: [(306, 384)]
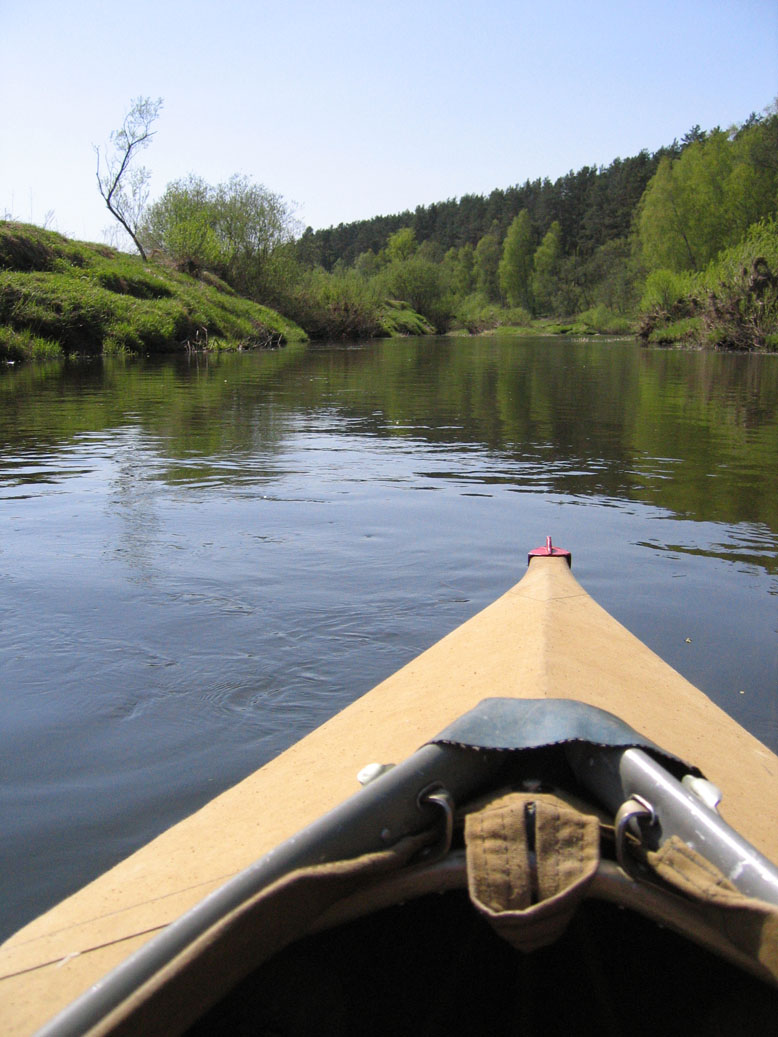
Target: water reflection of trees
[(693, 433)]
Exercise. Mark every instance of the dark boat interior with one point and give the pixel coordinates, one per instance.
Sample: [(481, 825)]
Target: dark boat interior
[(435, 967)]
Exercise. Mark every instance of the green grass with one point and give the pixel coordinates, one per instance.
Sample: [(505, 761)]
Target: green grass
[(23, 345), (476, 316), (397, 318), (61, 297), (599, 320), (683, 332)]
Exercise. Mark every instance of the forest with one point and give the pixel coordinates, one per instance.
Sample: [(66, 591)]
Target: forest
[(678, 247)]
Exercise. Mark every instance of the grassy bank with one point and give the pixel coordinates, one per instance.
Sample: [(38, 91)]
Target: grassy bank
[(60, 297), (488, 319)]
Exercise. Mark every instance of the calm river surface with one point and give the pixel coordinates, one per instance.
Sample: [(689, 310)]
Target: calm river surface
[(203, 558)]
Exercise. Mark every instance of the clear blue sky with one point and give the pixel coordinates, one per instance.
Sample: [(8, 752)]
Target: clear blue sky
[(354, 109)]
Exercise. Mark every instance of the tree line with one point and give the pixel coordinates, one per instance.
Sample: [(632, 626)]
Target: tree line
[(668, 237), (591, 206)]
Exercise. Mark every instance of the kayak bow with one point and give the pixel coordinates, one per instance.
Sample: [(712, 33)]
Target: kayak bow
[(542, 696)]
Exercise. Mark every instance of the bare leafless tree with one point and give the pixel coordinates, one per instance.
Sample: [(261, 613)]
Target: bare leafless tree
[(122, 184)]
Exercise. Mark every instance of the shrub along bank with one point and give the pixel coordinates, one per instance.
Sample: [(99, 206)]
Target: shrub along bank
[(732, 304)]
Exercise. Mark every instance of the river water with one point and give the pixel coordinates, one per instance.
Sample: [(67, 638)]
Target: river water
[(202, 558)]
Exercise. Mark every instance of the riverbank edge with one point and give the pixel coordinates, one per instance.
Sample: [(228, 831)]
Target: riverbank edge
[(63, 298)]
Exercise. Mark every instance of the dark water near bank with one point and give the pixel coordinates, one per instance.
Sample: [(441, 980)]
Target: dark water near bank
[(202, 559)]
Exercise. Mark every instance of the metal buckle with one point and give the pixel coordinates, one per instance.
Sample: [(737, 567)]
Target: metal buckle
[(631, 811), (439, 796)]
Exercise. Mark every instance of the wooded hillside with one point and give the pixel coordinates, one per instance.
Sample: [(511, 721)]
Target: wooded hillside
[(682, 240), (592, 206)]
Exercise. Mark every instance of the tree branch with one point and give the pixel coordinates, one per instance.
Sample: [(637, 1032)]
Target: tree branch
[(134, 135)]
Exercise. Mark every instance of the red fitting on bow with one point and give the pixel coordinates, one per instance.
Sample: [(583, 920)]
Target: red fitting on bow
[(549, 551)]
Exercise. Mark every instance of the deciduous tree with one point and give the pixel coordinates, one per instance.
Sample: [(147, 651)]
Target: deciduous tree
[(706, 199), (402, 244), (234, 229), (485, 265), (458, 263), (182, 224), (546, 265), (515, 270), (422, 284), (122, 184)]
